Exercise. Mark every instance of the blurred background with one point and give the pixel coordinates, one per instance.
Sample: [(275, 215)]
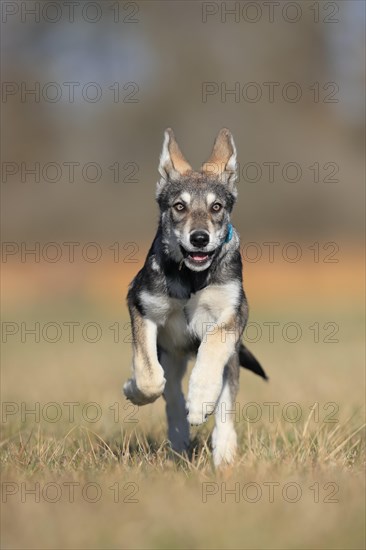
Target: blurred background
[(80, 153), (87, 91)]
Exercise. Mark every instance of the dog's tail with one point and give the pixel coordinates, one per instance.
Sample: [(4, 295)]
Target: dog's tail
[(248, 361)]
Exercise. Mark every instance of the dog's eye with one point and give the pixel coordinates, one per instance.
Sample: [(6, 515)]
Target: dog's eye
[(216, 207), (179, 207)]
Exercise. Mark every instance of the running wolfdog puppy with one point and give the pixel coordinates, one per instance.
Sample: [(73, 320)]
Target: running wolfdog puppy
[(188, 299)]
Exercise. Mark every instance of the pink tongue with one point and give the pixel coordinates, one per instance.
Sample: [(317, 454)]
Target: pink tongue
[(199, 257)]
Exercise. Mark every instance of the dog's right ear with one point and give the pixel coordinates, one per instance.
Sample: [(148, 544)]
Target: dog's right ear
[(172, 162)]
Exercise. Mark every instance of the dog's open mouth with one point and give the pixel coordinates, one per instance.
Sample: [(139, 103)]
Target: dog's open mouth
[(198, 257)]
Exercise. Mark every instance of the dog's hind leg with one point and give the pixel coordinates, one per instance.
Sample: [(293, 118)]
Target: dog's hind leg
[(224, 440), (148, 379), (178, 427)]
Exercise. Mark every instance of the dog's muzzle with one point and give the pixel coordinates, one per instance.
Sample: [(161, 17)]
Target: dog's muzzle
[(199, 260)]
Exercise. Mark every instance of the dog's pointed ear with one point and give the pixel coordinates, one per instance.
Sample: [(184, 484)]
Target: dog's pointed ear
[(172, 162), (222, 162)]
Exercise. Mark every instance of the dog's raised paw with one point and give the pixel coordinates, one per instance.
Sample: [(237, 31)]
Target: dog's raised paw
[(143, 394)]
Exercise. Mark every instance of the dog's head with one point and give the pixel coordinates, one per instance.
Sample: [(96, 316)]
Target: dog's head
[(195, 206)]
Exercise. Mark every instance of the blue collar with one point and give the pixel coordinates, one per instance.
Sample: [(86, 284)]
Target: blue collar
[(229, 235)]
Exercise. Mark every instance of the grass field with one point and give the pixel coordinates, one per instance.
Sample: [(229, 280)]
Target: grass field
[(88, 470)]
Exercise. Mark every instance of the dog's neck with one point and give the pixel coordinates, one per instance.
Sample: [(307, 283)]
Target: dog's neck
[(182, 281)]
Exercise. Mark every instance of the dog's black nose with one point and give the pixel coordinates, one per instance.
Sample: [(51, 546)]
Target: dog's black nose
[(199, 238)]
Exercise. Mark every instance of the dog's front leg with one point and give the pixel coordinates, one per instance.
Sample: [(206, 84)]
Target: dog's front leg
[(206, 382), (148, 382)]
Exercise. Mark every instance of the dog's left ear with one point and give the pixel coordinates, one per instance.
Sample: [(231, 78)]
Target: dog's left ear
[(222, 162), (172, 162)]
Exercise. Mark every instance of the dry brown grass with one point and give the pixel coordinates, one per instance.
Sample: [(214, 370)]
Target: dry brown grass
[(165, 501), (324, 461)]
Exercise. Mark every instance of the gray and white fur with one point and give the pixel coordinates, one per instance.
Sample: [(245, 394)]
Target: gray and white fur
[(188, 299)]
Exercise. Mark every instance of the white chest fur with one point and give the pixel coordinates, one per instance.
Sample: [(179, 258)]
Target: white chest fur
[(180, 322)]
